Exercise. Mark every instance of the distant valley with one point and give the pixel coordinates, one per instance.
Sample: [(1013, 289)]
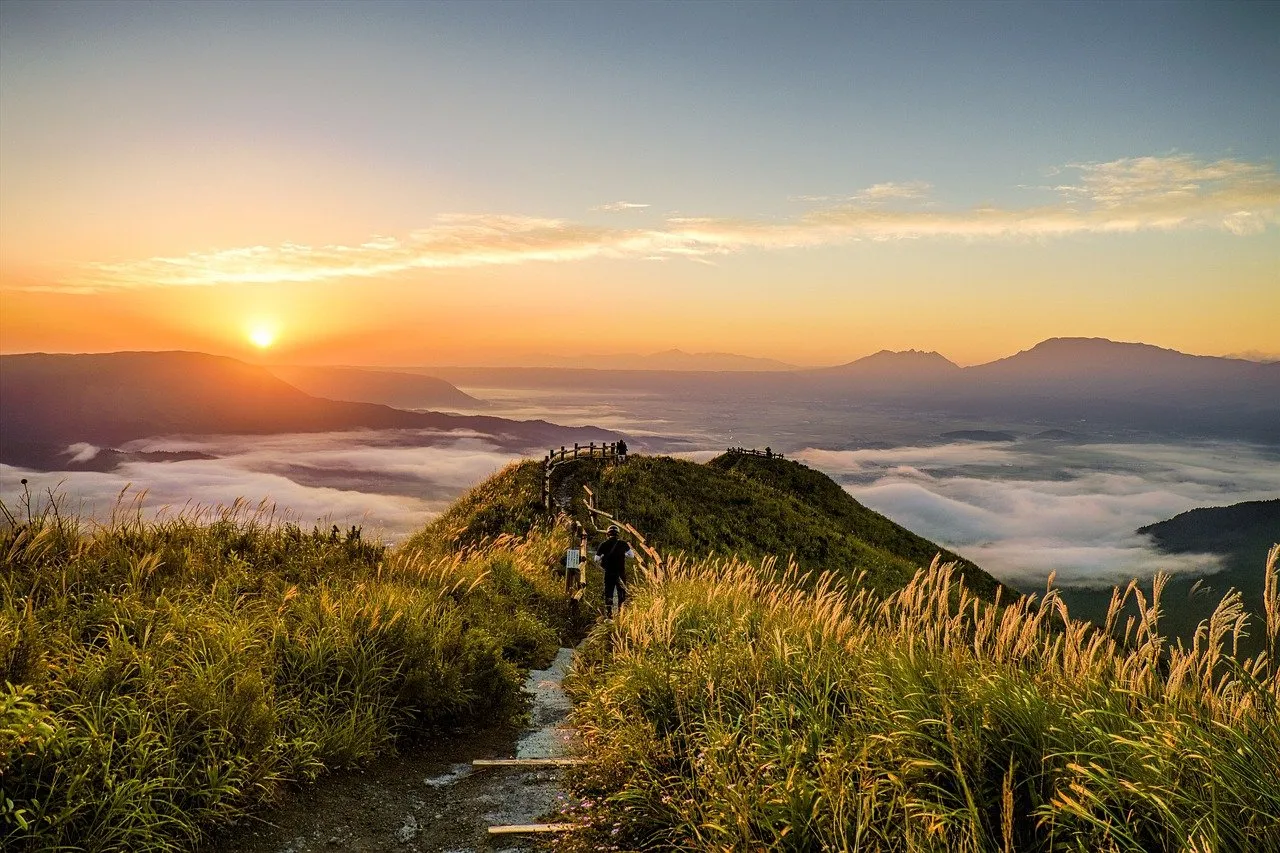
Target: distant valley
[(1239, 536), (1061, 386), (52, 402)]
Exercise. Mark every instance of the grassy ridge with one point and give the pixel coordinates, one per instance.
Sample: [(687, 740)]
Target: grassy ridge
[(752, 508), (508, 503), (819, 493), (745, 506), (160, 679), (725, 710)]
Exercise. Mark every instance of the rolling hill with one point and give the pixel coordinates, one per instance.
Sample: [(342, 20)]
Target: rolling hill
[(52, 401), (390, 388), (1235, 539), (747, 506)]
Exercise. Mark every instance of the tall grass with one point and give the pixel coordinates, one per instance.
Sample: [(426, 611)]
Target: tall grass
[(725, 710), (161, 678)]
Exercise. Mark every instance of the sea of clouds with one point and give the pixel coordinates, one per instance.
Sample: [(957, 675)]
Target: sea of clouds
[(1022, 510), (1019, 509), (390, 482)]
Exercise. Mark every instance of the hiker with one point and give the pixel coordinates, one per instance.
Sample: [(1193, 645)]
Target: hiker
[(612, 555), (571, 562), (622, 450)]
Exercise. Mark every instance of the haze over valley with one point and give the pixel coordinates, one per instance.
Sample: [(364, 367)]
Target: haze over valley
[(1047, 461)]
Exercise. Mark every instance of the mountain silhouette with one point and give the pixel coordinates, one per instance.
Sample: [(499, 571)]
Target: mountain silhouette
[(366, 385), (52, 401), (1101, 368), (887, 371)]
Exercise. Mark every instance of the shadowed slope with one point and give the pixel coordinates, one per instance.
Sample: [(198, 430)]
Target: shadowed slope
[(51, 401), (390, 388)]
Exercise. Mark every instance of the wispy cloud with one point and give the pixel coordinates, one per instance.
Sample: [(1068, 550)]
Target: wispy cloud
[(1122, 196), (890, 190), (1255, 355), (874, 194), (619, 206)]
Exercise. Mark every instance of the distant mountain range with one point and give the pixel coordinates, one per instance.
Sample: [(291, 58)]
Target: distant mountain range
[(1102, 369), (362, 385), (1062, 386), (50, 402), (672, 359), (1075, 384)]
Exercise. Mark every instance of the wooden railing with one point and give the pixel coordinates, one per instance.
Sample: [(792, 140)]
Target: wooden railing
[(555, 458), (768, 452), (582, 451)]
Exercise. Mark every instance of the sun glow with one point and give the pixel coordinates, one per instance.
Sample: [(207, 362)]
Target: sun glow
[(262, 335)]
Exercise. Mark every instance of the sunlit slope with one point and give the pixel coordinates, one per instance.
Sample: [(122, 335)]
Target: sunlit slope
[(823, 495), (749, 507)]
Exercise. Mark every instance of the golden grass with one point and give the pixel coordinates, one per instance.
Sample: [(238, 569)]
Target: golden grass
[(728, 710)]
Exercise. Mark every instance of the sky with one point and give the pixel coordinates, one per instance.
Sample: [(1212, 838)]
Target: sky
[(426, 183)]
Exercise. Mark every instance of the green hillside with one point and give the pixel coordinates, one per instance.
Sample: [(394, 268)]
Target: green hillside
[(159, 680), (749, 507), (1238, 536), (820, 493), (508, 503)]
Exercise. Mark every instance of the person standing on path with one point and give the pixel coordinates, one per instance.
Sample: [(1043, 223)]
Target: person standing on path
[(612, 556)]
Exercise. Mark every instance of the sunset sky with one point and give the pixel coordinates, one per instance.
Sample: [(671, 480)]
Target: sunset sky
[(400, 184)]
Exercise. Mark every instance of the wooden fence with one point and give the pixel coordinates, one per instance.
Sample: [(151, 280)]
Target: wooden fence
[(555, 458), (751, 451)]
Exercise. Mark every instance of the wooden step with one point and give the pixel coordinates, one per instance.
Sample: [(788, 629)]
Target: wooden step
[(526, 762), (523, 828)]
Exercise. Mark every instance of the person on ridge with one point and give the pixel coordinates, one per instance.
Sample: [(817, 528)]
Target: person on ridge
[(612, 556)]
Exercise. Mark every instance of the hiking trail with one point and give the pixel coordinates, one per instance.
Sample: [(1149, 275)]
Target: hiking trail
[(430, 797)]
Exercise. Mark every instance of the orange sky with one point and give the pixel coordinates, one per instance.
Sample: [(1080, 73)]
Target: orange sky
[(449, 184)]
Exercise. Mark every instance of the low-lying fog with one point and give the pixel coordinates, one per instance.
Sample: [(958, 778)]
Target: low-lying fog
[(1020, 509)]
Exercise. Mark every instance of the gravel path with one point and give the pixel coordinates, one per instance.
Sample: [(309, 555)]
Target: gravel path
[(430, 798)]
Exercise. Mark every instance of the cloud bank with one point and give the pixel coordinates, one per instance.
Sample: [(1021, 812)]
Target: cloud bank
[(378, 480), (1024, 511), (1122, 196)]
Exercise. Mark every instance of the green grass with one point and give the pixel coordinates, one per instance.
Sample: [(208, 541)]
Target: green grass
[(753, 508), (161, 679), (508, 503), (818, 493), (744, 506), (727, 710)]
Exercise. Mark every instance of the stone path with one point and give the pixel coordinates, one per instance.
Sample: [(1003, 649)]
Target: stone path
[(430, 798)]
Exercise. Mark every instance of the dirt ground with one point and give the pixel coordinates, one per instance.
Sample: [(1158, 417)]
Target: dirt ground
[(429, 798)]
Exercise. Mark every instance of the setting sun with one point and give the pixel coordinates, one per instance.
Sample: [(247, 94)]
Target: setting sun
[(262, 336)]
